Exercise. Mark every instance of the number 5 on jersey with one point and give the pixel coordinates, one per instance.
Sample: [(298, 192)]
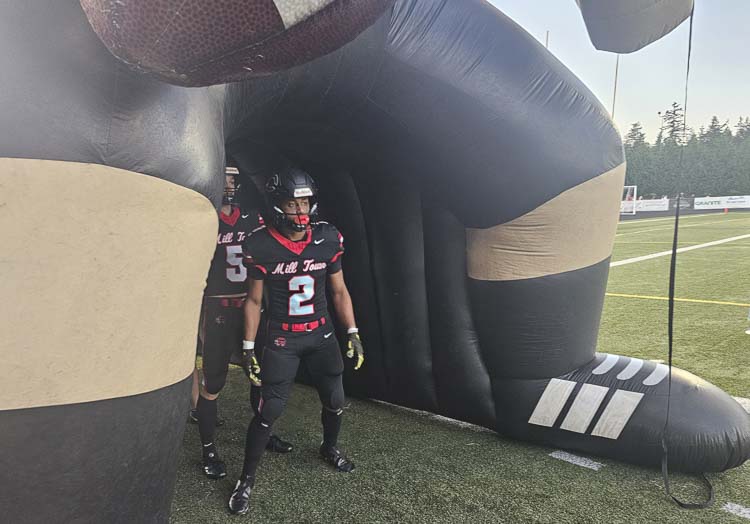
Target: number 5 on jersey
[(304, 290), (236, 272)]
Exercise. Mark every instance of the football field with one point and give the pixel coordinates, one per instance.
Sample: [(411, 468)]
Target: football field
[(415, 467)]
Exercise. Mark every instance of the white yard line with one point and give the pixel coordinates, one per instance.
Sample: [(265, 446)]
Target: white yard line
[(575, 459), (736, 509), (439, 418), (681, 227), (681, 250), (644, 220), (669, 242)]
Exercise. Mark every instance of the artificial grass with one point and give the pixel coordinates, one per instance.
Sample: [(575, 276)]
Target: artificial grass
[(412, 467), (710, 339)]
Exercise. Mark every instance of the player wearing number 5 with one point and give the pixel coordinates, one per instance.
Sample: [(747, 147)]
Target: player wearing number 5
[(295, 257), (222, 318)]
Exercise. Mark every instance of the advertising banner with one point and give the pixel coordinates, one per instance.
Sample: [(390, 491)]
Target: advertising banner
[(723, 202), (645, 206)]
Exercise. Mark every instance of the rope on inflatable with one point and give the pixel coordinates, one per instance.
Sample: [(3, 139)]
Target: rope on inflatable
[(670, 329)]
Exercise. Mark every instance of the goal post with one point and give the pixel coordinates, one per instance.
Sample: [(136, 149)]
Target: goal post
[(629, 199)]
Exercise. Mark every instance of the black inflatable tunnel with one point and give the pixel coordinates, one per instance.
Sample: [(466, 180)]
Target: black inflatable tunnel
[(454, 153), (477, 183)]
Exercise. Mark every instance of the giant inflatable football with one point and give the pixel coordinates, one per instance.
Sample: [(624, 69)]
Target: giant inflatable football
[(454, 152)]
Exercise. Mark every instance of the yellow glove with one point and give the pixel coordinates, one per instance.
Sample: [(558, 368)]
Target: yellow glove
[(354, 346), (250, 366)]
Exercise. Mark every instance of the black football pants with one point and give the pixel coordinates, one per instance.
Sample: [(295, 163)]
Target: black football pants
[(319, 351), (222, 340)]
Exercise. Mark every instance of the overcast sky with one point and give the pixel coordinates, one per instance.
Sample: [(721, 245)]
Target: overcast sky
[(652, 78)]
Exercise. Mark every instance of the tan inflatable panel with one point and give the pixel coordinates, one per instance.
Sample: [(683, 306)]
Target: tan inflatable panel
[(576, 229), (101, 276)]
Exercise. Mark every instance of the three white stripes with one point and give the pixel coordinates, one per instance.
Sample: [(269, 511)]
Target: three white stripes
[(659, 373), (590, 397), (612, 421)]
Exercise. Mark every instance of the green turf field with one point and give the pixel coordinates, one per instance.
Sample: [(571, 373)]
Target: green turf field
[(710, 338), (414, 467)]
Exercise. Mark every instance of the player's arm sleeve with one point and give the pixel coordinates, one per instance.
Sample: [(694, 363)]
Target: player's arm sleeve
[(334, 265), (255, 269)]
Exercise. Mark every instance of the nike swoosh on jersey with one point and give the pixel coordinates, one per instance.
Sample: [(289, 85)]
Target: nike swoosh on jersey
[(245, 216), (328, 334), (316, 242)]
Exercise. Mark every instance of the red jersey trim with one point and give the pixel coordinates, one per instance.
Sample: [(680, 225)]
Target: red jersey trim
[(295, 247), (230, 219), (336, 257)]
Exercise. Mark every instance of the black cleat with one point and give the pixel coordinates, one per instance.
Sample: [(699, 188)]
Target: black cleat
[(277, 445), (336, 459), (213, 466), (194, 418), (239, 500)]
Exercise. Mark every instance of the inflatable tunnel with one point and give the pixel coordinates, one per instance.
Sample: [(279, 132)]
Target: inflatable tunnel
[(476, 181)]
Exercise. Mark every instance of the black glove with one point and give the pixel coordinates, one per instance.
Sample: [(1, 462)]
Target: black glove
[(354, 345), (251, 367)]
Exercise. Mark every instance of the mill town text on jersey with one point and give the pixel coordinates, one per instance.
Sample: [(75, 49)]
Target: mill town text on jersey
[(291, 268)]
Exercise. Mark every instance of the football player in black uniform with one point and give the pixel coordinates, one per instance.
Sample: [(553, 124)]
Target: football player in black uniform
[(295, 257), (222, 321)]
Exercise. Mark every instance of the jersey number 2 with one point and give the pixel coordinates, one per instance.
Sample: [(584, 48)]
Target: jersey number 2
[(304, 286), (236, 272)]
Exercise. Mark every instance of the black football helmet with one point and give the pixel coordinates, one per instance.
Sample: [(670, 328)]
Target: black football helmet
[(231, 195), (288, 184)]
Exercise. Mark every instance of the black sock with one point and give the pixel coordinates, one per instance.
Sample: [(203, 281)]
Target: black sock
[(331, 426), (206, 419), (258, 433)]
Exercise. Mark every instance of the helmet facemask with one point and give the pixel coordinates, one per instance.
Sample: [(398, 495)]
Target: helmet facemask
[(291, 185), (231, 194), (295, 221)]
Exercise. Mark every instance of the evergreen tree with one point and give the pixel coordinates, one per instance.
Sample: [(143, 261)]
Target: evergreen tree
[(715, 160), (635, 137), (673, 124)]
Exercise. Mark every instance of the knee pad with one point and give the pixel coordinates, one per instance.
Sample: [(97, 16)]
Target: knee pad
[(214, 382), (270, 410), (332, 396)]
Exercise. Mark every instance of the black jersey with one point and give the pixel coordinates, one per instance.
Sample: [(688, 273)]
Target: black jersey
[(295, 272), (228, 274)]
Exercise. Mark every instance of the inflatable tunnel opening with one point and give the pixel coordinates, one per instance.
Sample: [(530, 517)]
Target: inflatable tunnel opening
[(480, 286), (454, 153)]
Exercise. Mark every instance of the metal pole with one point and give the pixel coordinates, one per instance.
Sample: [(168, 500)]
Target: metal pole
[(614, 94), (546, 40)]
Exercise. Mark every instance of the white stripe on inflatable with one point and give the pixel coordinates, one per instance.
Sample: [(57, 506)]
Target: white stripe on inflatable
[(295, 11), (551, 402), (606, 365), (575, 459), (659, 373), (744, 402), (584, 408), (616, 414), (633, 367)]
